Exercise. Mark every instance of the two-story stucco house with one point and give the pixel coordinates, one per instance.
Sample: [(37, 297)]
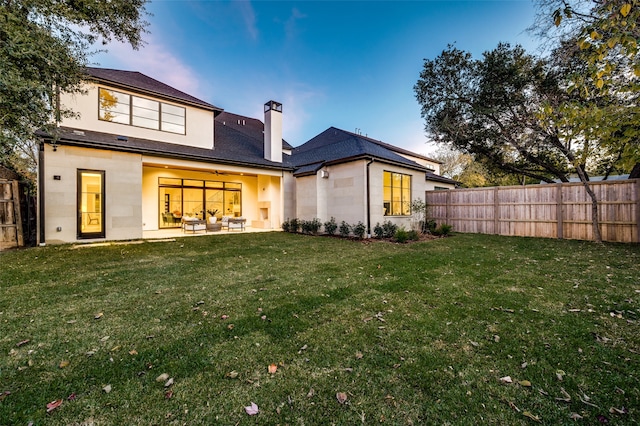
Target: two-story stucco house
[(142, 156)]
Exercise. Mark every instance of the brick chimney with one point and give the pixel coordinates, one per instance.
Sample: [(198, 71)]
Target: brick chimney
[(273, 131)]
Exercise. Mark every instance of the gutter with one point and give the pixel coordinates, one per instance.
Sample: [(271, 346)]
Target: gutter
[(40, 220), (369, 199)]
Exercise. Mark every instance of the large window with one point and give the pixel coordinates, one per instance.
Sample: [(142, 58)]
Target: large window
[(397, 194), (197, 198), (123, 108)]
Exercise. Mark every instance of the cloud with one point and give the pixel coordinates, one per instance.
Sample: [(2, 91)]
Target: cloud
[(155, 60), (290, 26), (249, 17)]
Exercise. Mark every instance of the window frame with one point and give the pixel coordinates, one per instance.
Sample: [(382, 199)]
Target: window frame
[(161, 115), (404, 193), (101, 233)]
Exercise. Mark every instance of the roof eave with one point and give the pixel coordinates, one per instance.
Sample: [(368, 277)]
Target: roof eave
[(161, 153)]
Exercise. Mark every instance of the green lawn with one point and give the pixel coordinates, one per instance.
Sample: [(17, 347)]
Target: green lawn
[(417, 333)]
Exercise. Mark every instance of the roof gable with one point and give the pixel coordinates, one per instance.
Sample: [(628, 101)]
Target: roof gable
[(139, 82)]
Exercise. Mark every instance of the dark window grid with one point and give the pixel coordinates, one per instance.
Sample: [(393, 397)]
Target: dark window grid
[(131, 107)]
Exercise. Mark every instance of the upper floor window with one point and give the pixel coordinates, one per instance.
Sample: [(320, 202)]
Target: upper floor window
[(397, 194), (134, 110)]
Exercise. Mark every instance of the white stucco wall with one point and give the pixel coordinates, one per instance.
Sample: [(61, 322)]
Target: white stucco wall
[(199, 122), (123, 185), (289, 196), (343, 194)]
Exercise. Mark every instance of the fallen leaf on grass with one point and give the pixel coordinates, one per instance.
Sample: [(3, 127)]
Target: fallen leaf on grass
[(168, 394), (273, 368), (252, 409), (107, 389), (64, 363), (99, 315), (224, 317), (168, 383), (359, 355), (560, 374), (4, 394), (341, 397), (602, 419), (72, 397), (104, 339), (310, 393), (232, 374), (162, 377), (525, 383), (575, 416), (532, 417), (23, 342), (614, 410), (506, 379), (133, 352), (567, 397), (53, 405)]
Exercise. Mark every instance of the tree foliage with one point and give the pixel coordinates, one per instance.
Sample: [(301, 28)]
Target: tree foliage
[(491, 109), (44, 47), (472, 172)]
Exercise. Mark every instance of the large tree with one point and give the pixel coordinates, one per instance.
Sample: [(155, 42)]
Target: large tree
[(515, 112), (596, 42), (44, 47)]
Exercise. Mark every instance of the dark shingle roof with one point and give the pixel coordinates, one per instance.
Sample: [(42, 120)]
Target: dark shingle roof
[(138, 81), (230, 148), (334, 145), (249, 127)]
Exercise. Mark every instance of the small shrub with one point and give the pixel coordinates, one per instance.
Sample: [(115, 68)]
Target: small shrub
[(330, 227), (401, 235), (443, 230), (304, 226), (413, 235), (286, 226), (294, 225), (359, 230), (345, 229), (389, 229), (313, 226), (430, 226), (378, 231)]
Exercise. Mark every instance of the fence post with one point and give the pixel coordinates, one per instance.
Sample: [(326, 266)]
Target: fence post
[(559, 214), (637, 191), (496, 212), (446, 210), (17, 213)]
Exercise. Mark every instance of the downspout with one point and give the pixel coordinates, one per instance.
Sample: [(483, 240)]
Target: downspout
[(369, 200), (40, 220)]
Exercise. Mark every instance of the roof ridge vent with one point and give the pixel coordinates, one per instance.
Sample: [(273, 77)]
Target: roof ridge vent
[(78, 132), (122, 138)]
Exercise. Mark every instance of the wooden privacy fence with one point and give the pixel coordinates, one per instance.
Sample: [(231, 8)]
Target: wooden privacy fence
[(560, 210), (10, 221)]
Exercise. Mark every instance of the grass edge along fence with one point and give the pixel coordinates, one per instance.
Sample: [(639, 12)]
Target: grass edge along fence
[(560, 210)]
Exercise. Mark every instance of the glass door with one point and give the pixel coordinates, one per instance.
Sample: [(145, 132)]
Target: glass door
[(91, 204)]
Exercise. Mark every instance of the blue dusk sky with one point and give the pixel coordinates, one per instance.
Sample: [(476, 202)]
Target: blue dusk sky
[(348, 64)]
